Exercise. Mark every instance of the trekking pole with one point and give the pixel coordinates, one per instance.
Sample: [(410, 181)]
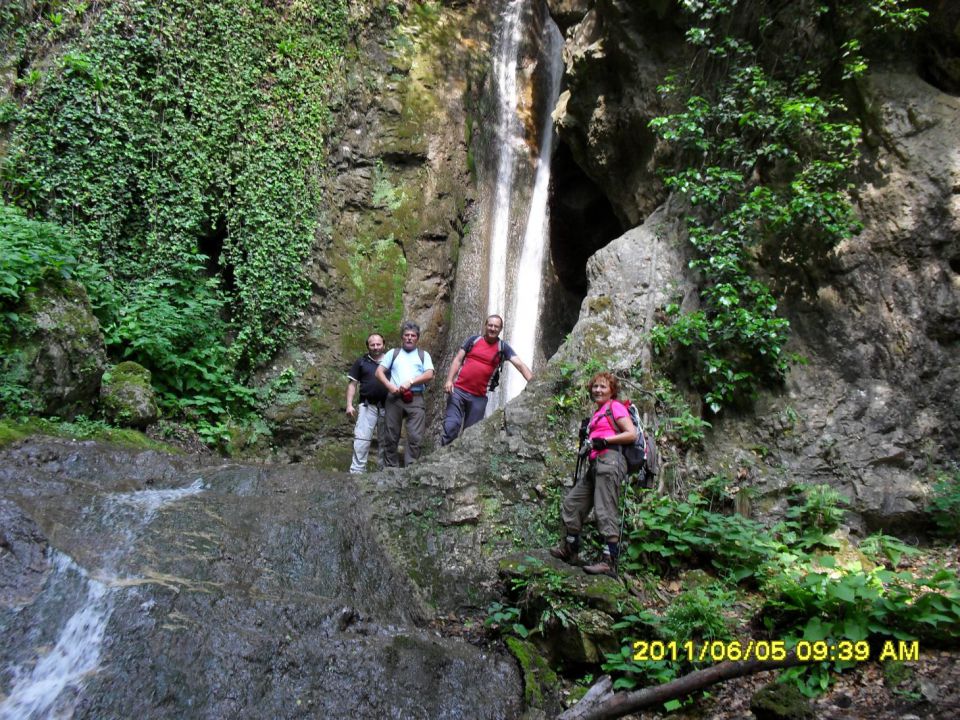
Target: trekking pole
[(576, 471), (623, 515)]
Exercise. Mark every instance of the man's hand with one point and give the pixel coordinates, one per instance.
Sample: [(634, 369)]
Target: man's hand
[(448, 387), (351, 410)]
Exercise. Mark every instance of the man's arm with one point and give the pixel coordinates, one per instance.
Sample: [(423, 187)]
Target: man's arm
[(382, 377), (454, 369), (351, 391), (522, 367), (424, 377)]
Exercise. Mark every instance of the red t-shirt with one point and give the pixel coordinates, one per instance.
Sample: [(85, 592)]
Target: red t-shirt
[(479, 364)]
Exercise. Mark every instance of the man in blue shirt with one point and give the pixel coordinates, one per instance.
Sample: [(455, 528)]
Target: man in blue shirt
[(404, 372)]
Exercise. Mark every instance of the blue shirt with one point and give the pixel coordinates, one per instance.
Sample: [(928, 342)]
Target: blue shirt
[(407, 366)]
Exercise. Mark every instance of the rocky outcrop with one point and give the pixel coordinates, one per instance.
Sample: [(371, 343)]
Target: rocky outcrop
[(873, 409), (616, 56), (218, 592), (62, 356), (399, 194)]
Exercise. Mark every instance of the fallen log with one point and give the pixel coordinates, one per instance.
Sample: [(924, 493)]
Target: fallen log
[(601, 703)]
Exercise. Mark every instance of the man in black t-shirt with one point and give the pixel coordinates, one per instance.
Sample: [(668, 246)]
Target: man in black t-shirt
[(372, 396)]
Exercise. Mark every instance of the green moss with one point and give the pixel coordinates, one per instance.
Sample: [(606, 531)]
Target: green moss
[(376, 270), (128, 372), (14, 431), (11, 432), (538, 677), (781, 700)]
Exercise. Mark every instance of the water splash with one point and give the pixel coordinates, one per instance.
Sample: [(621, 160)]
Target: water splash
[(75, 654)]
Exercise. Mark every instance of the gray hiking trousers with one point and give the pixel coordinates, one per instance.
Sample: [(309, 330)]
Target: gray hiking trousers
[(599, 489)]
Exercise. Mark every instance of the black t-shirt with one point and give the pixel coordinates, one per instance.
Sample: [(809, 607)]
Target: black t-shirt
[(364, 373)]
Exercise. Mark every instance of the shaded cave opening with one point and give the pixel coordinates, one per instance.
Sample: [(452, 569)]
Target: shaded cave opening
[(210, 245), (582, 221)]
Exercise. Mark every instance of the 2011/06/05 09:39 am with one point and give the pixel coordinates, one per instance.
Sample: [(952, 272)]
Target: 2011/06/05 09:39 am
[(773, 650)]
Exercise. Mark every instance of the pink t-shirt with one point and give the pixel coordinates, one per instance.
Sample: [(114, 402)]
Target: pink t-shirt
[(602, 427)]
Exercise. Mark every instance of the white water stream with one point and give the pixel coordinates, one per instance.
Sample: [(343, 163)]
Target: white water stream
[(528, 286), (515, 285), (48, 684), (510, 141)]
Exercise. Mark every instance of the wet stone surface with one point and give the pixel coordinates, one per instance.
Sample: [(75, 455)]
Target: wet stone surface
[(227, 591)]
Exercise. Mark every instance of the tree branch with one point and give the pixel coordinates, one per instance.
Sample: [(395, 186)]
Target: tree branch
[(601, 703)]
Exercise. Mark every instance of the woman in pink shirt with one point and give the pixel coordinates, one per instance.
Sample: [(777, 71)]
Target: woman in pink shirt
[(608, 429)]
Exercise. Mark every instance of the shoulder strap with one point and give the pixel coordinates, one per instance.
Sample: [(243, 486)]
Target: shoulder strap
[(393, 359), (609, 414)]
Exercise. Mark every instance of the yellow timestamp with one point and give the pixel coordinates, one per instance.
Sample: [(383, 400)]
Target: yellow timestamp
[(772, 650)]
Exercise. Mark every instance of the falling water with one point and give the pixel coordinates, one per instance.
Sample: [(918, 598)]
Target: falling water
[(525, 313), (508, 134), (47, 690), (515, 274)]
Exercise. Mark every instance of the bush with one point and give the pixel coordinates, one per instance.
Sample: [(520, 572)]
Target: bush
[(945, 505)]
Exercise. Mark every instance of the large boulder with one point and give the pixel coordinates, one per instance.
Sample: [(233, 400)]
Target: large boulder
[(63, 356)]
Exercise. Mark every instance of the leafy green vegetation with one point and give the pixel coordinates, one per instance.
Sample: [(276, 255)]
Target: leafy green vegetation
[(180, 141), (544, 599), (31, 254), (170, 323), (945, 504), (737, 580), (766, 150), (809, 588), (173, 152)]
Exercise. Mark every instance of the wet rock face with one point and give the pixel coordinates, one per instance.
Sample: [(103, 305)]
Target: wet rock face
[(23, 566), (399, 195), (228, 592)]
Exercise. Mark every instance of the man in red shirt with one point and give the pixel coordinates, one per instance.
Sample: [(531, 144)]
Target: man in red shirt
[(469, 378)]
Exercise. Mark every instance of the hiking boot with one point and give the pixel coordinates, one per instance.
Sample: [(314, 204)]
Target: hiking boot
[(604, 566), (566, 552)]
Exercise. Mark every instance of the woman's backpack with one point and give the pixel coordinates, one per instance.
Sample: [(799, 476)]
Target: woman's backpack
[(642, 454)]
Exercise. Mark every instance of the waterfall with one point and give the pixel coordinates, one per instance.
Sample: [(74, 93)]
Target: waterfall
[(515, 274), (525, 312), (508, 135), (45, 686)]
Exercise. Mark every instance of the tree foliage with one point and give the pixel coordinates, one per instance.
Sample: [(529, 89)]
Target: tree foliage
[(165, 130), (766, 150)]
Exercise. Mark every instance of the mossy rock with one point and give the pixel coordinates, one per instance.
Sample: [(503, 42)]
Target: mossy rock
[(539, 679), (63, 354), (600, 592), (127, 397), (780, 702)]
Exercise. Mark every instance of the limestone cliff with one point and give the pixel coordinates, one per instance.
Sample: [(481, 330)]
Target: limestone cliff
[(874, 408)]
